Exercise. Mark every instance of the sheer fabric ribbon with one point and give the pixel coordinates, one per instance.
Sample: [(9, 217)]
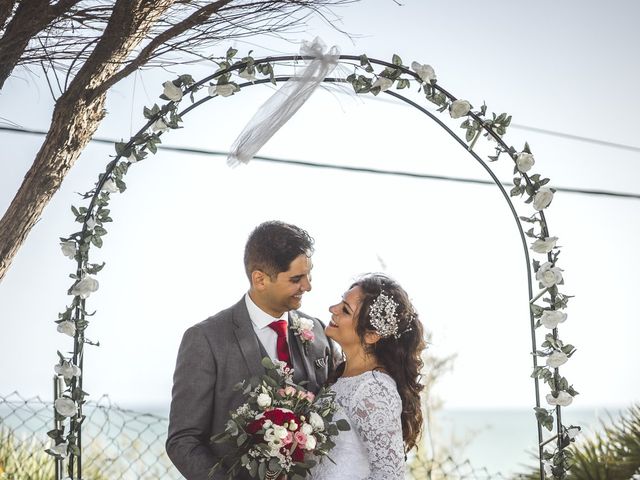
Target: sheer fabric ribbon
[(285, 102)]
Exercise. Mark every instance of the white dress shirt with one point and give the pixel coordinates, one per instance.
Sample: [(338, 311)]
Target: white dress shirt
[(261, 320)]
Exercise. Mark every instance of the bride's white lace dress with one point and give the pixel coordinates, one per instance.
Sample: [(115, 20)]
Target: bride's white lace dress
[(373, 449)]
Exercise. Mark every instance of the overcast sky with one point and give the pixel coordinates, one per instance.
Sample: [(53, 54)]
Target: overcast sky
[(174, 252)]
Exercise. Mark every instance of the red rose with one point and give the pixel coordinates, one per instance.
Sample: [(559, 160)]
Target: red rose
[(298, 455)]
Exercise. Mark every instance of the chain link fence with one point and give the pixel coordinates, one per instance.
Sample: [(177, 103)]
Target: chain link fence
[(129, 445)]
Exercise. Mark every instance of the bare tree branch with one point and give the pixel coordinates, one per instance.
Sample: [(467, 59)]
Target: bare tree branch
[(30, 18), (97, 43), (192, 20)]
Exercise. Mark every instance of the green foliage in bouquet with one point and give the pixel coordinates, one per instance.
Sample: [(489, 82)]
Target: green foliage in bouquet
[(281, 430)]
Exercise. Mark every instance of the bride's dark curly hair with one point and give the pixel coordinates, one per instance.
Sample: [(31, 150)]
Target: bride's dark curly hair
[(400, 357)]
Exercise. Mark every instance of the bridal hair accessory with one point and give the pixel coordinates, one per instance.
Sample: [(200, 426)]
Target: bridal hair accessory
[(384, 319), (276, 111), (383, 316)]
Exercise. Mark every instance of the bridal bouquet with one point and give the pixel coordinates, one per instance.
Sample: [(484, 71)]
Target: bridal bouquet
[(281, 427)]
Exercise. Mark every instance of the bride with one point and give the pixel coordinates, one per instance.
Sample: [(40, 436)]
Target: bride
[(377, 387)]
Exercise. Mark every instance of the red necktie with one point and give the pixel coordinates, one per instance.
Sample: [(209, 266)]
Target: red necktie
[(280, 327)]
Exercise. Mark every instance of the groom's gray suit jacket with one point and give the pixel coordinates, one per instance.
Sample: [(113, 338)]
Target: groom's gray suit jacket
[(214, 356)]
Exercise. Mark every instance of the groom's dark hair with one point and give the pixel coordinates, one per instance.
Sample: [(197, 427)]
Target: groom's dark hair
[(273, 245)]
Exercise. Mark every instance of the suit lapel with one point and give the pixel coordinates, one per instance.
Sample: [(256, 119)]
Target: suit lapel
[(247, 338)]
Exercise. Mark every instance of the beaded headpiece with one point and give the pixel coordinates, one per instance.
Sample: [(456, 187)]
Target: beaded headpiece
[(383, 316)]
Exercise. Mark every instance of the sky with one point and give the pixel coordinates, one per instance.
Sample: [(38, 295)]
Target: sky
[(174, 251)]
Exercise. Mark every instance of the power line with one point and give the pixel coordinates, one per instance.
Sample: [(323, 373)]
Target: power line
[(553, 133), (218, 153)]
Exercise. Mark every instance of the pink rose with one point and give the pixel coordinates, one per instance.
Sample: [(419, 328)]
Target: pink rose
[(281, 392), (308, 335), (288, 439), (310, 396), (300, 438), (289, 391)]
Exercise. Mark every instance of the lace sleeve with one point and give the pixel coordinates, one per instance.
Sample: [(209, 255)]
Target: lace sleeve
[(375, 413)]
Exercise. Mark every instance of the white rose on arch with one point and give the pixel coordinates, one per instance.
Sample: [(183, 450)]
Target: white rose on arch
[(551, 318), (383, 82), (67, 327), (563, 399), (224, 90), (68, 249), (60, 449), (160, 126), (544, 245), (110, 186), (65, 407), (67, 369), (426, 72), (172, 92), (85, 287), (250, 76), (542, 198), (549, 275), (524, 161), (556, 359), (459, 108)]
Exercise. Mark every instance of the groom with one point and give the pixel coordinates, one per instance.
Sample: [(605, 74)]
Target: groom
[(227, 348)]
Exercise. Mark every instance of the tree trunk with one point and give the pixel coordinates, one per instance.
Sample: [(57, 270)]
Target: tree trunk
[(76, 117), (73, 124)]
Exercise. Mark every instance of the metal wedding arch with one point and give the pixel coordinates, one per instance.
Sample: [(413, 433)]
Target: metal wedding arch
[(73, 321)]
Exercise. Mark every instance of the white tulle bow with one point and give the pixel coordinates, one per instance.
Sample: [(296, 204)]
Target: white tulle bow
[(285, 102)]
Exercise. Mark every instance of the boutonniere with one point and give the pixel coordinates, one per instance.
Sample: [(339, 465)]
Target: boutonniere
[(303, 328)]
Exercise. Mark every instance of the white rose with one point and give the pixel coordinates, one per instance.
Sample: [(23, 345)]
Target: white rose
[(91, 223), (68, 370), (264, 400), (159, 125), (65, 407), (542, 199), (306, 429), (172, 92), (67, 327), (280, 432), (248, 76), (544, 246), (311, 443), (524, 161), (572, 432), (60, 449), (549, 275), (551, 318), (556, 359), (383, 82), (425, 72), (459, 108), (85, 287), (306, 324), (110, 186), (563, 399), (68, 249), (270, 434), (275, 445), (316, 421), (224, 90)]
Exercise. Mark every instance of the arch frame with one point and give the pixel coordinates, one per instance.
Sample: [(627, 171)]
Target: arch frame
[(73, 320)]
